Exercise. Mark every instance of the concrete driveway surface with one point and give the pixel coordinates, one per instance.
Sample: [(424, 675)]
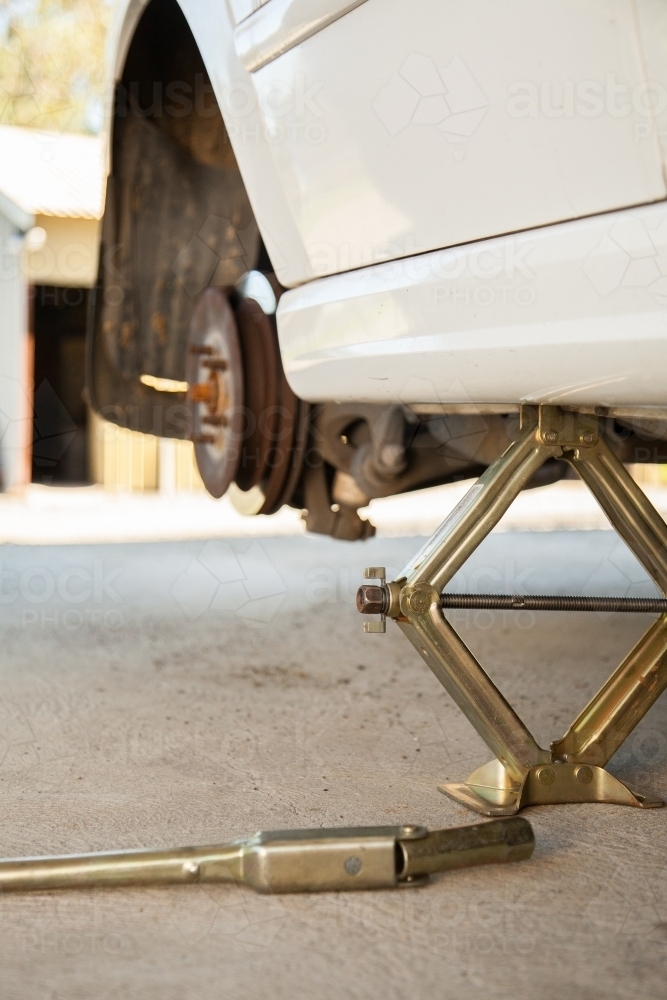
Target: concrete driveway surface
[(192, 692)]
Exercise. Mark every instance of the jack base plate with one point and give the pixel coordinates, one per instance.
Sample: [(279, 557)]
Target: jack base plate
[(491, 791)]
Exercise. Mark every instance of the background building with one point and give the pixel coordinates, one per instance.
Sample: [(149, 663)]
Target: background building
[(15, 348), (52, 191), (56, 181)]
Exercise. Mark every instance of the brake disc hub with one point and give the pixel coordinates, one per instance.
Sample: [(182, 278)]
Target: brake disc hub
[(248, 427), (215, 378)]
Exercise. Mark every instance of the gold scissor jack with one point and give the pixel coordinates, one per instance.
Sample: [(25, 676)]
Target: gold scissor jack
[(522, 773)]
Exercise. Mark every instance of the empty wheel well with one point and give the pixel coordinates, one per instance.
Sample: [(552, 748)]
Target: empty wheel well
[(177, 220)]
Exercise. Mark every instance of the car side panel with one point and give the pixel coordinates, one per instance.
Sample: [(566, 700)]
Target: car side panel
[(436, 122), (573, 314)]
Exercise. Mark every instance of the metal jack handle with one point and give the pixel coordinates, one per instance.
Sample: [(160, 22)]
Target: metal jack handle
[(376, 857), (522, 773)]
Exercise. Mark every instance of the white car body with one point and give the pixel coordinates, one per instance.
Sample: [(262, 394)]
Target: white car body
[(465, 198)]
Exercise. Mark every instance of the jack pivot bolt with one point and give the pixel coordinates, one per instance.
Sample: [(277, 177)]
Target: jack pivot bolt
[(373, 599)]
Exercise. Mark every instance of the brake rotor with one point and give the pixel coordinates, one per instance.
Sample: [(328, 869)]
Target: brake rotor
[(260, 370), (214, 371), (274, 445)]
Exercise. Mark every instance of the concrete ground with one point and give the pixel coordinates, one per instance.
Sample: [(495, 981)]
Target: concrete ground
[(192, 692)]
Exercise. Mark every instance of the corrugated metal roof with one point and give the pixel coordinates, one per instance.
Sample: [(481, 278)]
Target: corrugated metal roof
[(53, 173)]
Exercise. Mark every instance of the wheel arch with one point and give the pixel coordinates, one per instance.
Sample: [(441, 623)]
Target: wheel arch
[(213, 30), (176, 200)]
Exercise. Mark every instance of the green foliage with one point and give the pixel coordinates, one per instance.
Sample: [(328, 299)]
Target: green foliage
[(52, 63)]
